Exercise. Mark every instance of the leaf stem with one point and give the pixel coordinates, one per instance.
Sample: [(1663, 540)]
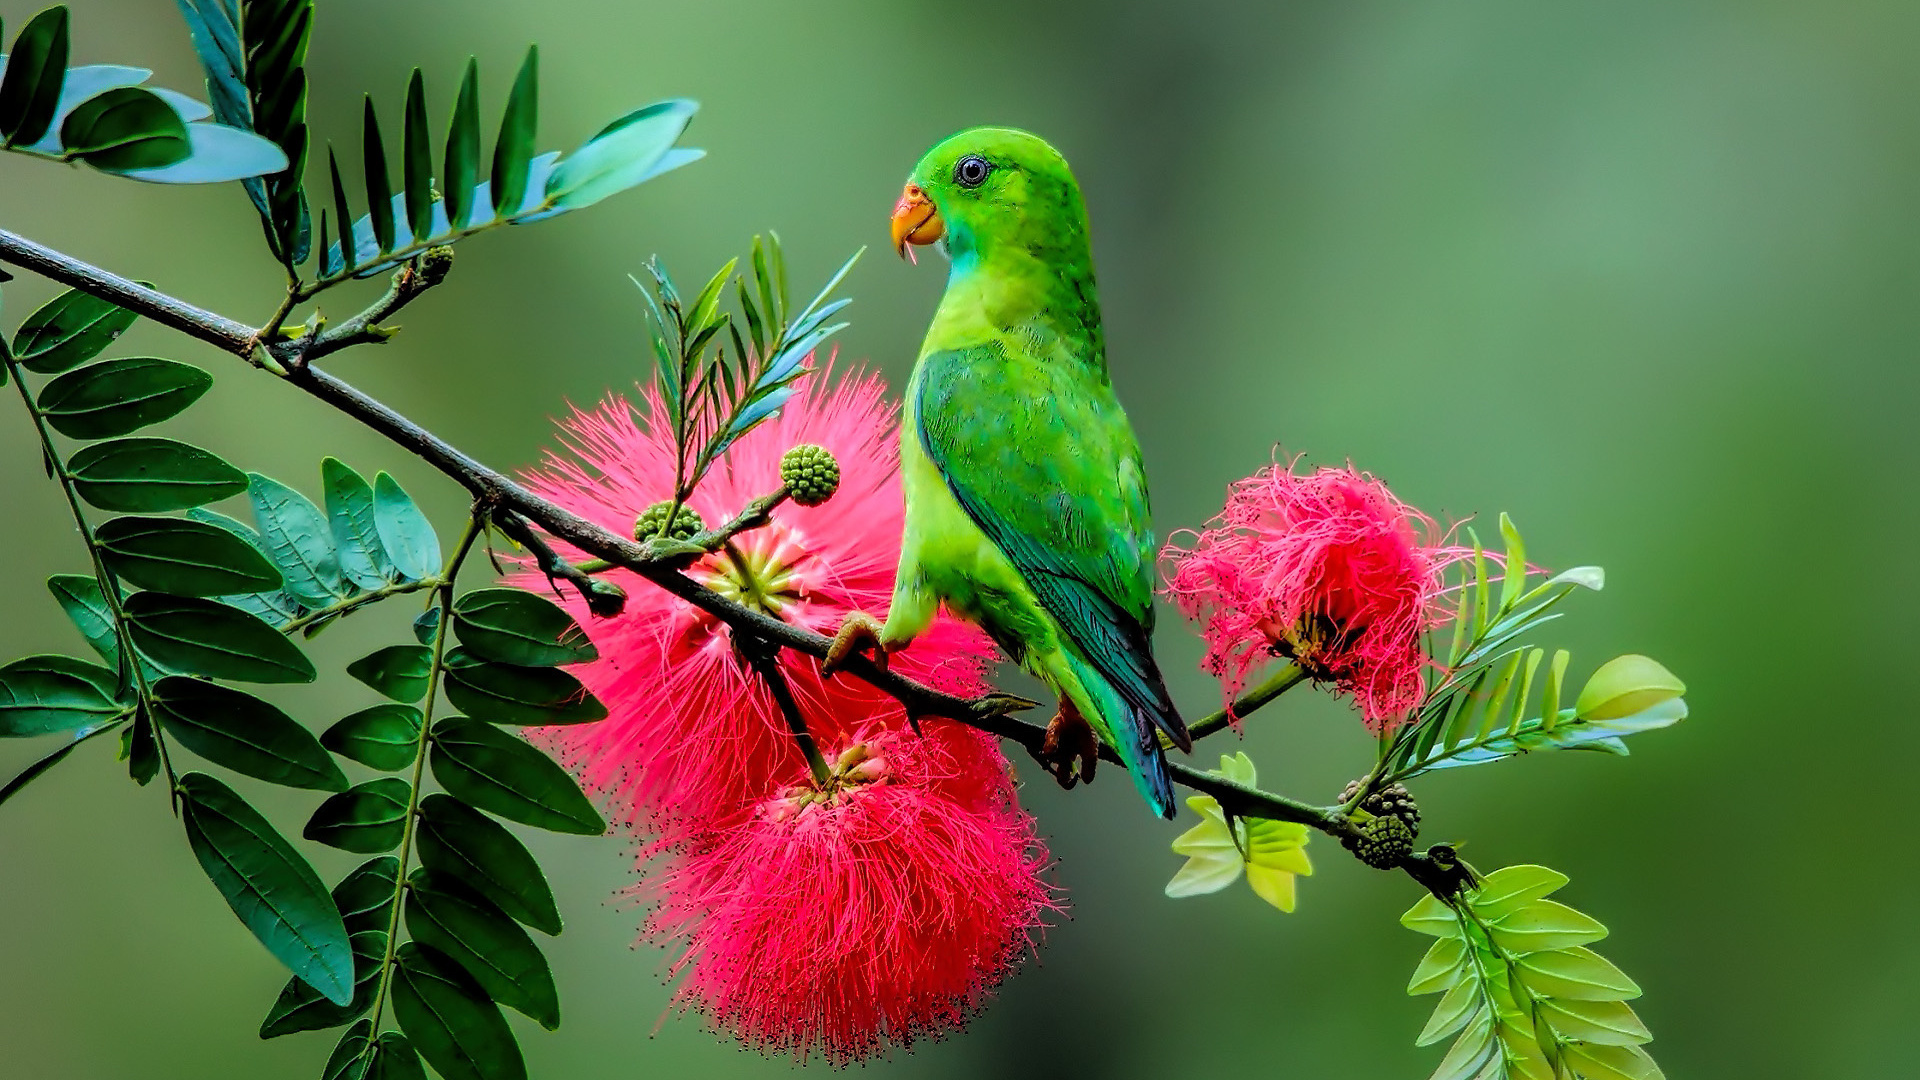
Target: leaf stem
[(353, 603), (444, 589)]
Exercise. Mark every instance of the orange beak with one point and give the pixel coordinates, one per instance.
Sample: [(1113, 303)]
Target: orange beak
[(915, 221)]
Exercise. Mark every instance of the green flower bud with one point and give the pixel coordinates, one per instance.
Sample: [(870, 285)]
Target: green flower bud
[(810, 473), (686, 523)]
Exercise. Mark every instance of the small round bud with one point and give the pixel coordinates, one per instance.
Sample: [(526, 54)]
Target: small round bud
[(1382, 843), (810, 473), (686, 523), (1394, 801)]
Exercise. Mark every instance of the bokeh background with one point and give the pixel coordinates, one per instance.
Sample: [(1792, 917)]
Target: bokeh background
[(1645, 274)]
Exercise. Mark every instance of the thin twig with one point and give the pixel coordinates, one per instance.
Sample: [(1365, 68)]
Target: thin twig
[(1281, 681), (765, 661)]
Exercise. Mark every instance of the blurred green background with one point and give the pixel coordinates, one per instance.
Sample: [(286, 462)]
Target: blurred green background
[(1643, 273)]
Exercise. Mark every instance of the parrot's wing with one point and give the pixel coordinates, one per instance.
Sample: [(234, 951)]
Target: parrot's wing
[(1043, 461)]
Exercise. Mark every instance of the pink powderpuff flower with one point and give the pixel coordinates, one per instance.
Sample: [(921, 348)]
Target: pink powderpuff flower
[(693, 739), (1328, 569), (880, 910)]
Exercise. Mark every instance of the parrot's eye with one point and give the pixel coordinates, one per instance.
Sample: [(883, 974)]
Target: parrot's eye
[(971, 171)]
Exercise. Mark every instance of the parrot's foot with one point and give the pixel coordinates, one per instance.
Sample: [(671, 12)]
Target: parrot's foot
[(1071, 750), (859, 634)]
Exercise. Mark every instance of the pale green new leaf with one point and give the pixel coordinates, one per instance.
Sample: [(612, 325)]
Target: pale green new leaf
[(1441, 968), (1432, 917), (1272, 854), (1600, 1062), (1460, 1004), (1544, 924), (1470, 1052), (1577, 972), (1609, 1023), (1505, 890)]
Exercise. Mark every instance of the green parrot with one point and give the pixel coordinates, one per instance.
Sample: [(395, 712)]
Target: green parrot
[(1026, 504)]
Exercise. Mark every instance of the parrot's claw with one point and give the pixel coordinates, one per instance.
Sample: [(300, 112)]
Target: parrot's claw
[(859, 634), (1070, 751)]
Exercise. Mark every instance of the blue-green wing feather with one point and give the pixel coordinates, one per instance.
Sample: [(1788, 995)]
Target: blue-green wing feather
[(1041, 458)]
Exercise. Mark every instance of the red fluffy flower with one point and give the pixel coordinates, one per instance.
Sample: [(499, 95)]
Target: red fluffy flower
[(833, 919), (692, 738), (878, 911), (1329, 569)]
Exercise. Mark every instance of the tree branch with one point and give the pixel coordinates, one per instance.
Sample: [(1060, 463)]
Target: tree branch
[(654, 561)]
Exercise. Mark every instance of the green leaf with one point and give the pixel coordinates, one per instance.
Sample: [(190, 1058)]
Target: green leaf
[(514, 626), (1213, 853), (143, 474), (1577, 972), (513, 150), (298, 539), (1458, 1006), (485, 767), (216, 154), (1513, 574), (69, 330), (463, 150), (356, 533), (1544, 924), (1506, 889), (365, 897), (127, 128), (373, 156), (394, 1058), (1607, 1023), (505, 694), (450, 1020), (301, 1008), (1471, 1052), (383, 737), (1441, 968), (1595, 1062), (186, 558), (344, 1062), (214, 28), (341, 211), (426, 625), (269, 886), (404, 530), (1625, 686), (398, 671), (36, 70), (367, 818), (458, 840), (1429, 916), (243, 733), (80, 597), (629, 151), (204, 637), (119, 397), (33, 772), (466, 926), (41, 695), (141, 749), (417, 160)]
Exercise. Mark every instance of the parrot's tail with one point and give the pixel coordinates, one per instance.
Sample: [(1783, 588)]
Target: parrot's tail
[(1133, 733)]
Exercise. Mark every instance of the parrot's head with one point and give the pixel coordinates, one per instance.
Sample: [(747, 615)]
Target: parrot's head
[(988, 189)]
